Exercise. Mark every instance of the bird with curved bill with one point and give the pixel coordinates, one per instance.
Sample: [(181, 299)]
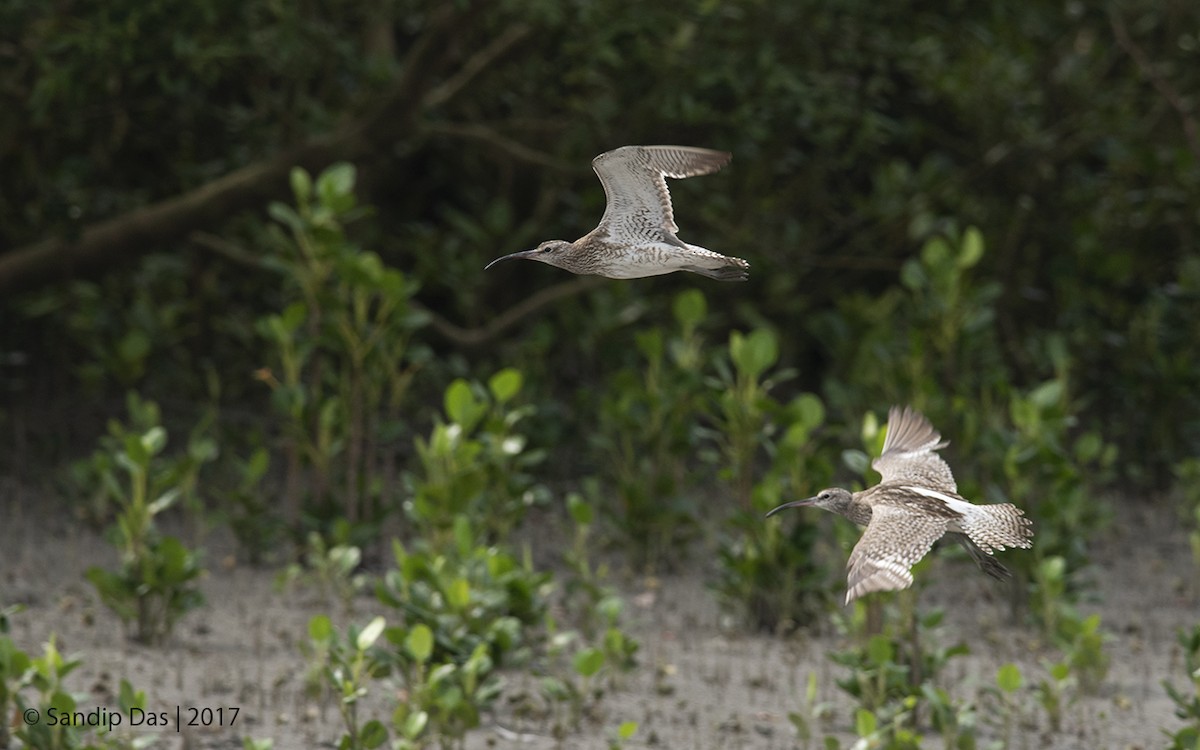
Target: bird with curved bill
[(914, 504), (636, 237)]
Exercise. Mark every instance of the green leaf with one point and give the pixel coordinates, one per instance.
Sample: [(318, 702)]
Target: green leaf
[(133, 347), (809, 411), (1047, 394), (415, 724), (458, 593), (935, 253), (461, 405), (581, 512), (335, 184), (753, 354), (154, 440), (627, 730), (320, 628), (879, 650), (419, 643), (1088, 447), (856, 460), (128, 698), (373, 734), (972, 248), (865, 722), (62, 702), (257, 466), (505, 384), (301, 185), (286, 215), (368, 635), (164, 501), (690, 308), (1008, 678), (588, 662), (1060, 671), (913, 276), (650, 344), (1052, 568), (177, 561)]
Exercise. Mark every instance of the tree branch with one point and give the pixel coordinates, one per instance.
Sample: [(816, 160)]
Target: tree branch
[(498, 141), (141, 230), (510, 317)]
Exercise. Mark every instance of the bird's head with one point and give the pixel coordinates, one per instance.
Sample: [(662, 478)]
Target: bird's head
[(550, 251), (834, 499)]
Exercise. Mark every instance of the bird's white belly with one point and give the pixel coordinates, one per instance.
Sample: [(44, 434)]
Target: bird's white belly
[(648, 260)]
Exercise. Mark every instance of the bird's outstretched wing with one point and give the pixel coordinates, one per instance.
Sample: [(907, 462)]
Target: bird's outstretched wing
[(894, 541), (639, 205), (908, 452)]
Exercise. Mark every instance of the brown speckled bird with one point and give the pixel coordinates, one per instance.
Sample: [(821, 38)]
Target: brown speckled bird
[(916, 503), (636, 236)]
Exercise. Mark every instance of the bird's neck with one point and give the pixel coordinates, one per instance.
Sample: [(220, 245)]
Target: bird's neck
[(857, 510)]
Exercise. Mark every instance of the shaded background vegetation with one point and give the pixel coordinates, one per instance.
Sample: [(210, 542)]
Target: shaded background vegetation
[(142, 143), (990, 213)]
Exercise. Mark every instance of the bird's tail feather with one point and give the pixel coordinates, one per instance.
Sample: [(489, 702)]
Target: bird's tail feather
[(724, 273), (985, 561), (997, 527)]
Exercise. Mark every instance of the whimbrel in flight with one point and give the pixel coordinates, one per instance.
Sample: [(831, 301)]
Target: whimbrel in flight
[(916, 503), (636, 236)]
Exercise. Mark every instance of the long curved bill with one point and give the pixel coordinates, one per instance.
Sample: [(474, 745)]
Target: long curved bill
[(510, 256), (792, 504)]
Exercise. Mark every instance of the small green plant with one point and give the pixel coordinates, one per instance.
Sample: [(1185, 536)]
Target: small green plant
[(249, 743), (155, 583), (440, 700), (766, 571), (1187, 700), (249, 509), (346, 667), (1056, 692), (476, 463), (892, 675), (811, 713), (889, 728), (647, 434), (339, 360), (468, 595), (45, 676), (953, 719), (1052, 606), (1085, 652), (1009, 680), (582, 663), (14, 664), (744, 408), (332, 568), (581, 671), (444, 700), (1052, 473), (622, 734)]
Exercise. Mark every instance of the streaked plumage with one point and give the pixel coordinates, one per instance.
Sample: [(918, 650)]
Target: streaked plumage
[(914, 504), (636, 237)]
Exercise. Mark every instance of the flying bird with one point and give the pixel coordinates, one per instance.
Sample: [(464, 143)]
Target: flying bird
[(915, 503), (636, 237)]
